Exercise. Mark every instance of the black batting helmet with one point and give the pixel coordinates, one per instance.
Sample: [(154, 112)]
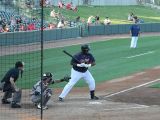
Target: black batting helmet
[(47, 75), (85, 48), (19, 64)]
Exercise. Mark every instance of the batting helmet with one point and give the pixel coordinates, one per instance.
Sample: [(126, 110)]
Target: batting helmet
[(47, 75), (19, 64), (85, 48)]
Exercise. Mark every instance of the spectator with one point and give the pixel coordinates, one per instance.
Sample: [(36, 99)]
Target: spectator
[(141, 21), (13, 21), (91, 20), (97, 19), (60, 24), (75, 9), (22, 27), (51, 26), (130, 16), (5, 28), (48, 3), (28, 3), (31, 26), (53, 14), (78, 19), (3, 22), (107, 21), (1, 30), (0, 20), (69, 6), (135, 18), (61, 4)]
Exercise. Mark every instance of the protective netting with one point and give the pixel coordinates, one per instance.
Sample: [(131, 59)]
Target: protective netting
[(17, 46), (22, 35)]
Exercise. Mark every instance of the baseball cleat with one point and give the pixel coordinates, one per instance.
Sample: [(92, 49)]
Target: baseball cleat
[(61, 99), (95, 98), (15, 105), (43, 107), (5, 101)]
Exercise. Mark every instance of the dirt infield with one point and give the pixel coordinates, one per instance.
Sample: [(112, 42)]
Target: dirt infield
[(127, 98), (141, 103)]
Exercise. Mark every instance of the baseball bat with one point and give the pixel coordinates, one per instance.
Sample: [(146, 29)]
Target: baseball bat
[(71, 56)]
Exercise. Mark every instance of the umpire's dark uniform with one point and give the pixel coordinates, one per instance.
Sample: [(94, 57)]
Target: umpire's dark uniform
[(9, 88)]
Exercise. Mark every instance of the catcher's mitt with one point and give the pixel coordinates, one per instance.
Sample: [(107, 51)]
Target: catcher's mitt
[(66, 78)]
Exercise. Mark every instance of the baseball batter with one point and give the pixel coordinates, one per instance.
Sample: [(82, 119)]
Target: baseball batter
[(135, 32), (83, 60), (46, 92)]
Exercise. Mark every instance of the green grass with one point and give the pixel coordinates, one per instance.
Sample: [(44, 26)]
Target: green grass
[(111, 61), (156, 85), (117, 14)]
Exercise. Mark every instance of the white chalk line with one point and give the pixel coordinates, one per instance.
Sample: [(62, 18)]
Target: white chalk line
[(95, 103), (129, 108), (132, 88), (149, 52)]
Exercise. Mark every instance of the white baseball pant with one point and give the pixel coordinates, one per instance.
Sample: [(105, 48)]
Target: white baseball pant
[(75, 77), (134, 42)]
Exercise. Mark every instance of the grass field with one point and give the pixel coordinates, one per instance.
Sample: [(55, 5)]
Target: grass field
[(156, 85), (117, 14), (113, 59)]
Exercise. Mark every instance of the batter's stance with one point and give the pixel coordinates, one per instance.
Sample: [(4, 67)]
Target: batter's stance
[(83, 60)]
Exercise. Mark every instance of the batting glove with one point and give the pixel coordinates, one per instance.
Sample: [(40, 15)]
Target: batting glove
[(87, 65), (81, 65)]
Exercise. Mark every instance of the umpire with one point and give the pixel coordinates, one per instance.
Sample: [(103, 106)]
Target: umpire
[(10, 87)]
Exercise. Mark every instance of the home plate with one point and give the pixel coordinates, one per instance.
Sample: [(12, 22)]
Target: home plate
[(93, 103)]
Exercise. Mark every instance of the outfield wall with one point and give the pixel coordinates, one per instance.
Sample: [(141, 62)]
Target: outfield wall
[(16, 38), (67, 33), (120, 29)]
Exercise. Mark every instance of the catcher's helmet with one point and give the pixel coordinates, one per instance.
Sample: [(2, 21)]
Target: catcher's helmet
[(85, 48), (19, 64), (47, 75)]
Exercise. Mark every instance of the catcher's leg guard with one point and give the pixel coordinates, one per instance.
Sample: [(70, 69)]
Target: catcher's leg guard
[(17, 96), (47, 96), (7, 94)]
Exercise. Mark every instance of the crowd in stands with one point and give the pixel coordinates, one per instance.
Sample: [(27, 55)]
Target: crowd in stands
[(49, 3), (96, 20), (67, 6), (12, 23)]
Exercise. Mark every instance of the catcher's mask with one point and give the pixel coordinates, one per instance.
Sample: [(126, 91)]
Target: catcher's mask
[(46, 76), (20, 64), (85, 48)]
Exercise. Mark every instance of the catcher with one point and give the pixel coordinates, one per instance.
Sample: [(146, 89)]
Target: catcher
[(45, 91)]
